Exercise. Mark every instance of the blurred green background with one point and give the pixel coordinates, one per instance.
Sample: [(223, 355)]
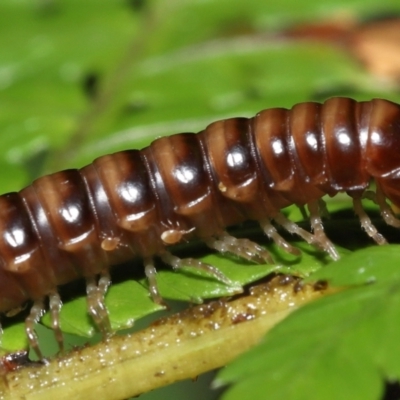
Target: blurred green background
[(79, 79), (92, 77)]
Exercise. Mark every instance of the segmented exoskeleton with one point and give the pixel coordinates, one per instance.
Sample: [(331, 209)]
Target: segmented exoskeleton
[(78, 223)]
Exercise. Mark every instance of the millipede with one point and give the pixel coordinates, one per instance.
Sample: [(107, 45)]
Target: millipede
[(77, 223)]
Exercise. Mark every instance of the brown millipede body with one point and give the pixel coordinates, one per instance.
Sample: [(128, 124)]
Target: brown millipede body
[(77, 223)]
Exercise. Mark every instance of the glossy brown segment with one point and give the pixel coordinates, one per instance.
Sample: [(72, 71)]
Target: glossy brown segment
[(127, 189), (77, 223), (20, 250), (342, 145), (308, 142), (273, 143), (383, 144), (231, 159), (180, 164), (65, 202)]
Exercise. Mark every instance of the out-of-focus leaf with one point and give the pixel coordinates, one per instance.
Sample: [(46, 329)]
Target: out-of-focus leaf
[(374, 264), (338, 347)]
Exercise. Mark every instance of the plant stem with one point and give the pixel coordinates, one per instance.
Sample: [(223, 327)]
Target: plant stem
[(179, 347)]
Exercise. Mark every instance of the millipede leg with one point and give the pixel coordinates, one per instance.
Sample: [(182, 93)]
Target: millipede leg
[(151, 272), (273, 234), (36, 312), (318, 238), (303, 212), (366, 222), (243, 248), (318, 229), (55, 304), (177, 263), (292, 227), (104, 282), (386, 211), (323, 209), (97, 307)]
